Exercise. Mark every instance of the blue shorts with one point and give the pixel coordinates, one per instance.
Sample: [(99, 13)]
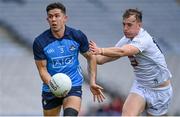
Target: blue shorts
[(49, 101)]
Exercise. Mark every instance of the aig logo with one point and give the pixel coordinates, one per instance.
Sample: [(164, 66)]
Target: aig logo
[(62, 61)]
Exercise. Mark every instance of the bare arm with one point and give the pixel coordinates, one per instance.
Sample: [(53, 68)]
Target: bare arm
[(104, 59), (92, 71), (92, 66), (41, 65), (126, 50), (113, 52)]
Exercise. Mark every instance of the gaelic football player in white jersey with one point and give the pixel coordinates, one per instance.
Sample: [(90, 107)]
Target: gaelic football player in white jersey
[(151, 90)]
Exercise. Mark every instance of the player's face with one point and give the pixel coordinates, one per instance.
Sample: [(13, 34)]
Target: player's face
[(131, 27), (56, 20)]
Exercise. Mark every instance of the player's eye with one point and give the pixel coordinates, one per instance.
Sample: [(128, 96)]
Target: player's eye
[(57, 16), (129, 24), (50, 16)]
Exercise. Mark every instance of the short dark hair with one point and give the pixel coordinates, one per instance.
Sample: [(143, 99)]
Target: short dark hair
[(55, 5), (135, 12)]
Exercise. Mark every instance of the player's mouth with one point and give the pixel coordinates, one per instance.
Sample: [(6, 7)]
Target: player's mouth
[(126, 33), (54, 25)]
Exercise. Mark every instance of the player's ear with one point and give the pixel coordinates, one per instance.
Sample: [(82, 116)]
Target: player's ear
[(140, 24), (65, 18)]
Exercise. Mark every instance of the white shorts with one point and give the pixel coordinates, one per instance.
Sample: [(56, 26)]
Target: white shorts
[(157, 99)]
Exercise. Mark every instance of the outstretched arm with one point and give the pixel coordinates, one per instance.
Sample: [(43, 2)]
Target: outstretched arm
[(101, 59), (126, 50), (104, 59), (92, 70)]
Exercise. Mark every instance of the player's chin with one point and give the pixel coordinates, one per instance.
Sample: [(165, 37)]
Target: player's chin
[(129, 36), (54, 29)]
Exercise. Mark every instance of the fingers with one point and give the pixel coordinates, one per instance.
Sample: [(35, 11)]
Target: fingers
[(93, 47), (97, 93), (99, 96), (92, 43), (102, 95), (99, 87), (100, 91), (94, 98)]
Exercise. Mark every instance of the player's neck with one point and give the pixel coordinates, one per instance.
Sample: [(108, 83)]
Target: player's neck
[(58, 34)]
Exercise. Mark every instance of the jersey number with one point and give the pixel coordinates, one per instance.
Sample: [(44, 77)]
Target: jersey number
[(133, 61)]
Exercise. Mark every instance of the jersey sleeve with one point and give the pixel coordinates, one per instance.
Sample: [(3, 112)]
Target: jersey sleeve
[(121, 42), (38, 51), (83, 41), (140, 43)]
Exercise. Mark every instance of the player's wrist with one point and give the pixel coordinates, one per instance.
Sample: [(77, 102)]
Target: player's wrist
[(47, 81), (101, 51), (92, 82)]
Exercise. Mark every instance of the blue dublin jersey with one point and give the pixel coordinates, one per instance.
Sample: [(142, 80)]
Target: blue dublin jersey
[(62, 54)]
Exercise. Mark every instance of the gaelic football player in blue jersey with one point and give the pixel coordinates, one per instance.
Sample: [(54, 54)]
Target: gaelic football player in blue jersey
[(151, 90), (56, 51)]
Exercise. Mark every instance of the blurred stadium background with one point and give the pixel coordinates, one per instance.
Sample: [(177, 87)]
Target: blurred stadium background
[(22, 20)]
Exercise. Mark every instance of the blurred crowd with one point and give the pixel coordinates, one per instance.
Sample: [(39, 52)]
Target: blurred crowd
[(114, 108)]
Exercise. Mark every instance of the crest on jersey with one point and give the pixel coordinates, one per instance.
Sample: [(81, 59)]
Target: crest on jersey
[(72, 48)]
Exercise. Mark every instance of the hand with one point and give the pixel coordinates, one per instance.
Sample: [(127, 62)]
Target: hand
[(97, 93), (94, 48)]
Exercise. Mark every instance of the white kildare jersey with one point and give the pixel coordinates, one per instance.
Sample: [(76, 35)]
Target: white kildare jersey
[(149, 64)]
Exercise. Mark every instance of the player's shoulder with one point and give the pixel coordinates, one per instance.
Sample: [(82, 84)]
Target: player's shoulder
[(43, 35), (143, 36), (74, 32)]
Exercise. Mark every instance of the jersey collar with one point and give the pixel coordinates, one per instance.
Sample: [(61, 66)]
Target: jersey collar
[(66, 32)]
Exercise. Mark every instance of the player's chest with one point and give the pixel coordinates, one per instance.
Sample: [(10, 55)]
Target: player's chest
[(61, 48)]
